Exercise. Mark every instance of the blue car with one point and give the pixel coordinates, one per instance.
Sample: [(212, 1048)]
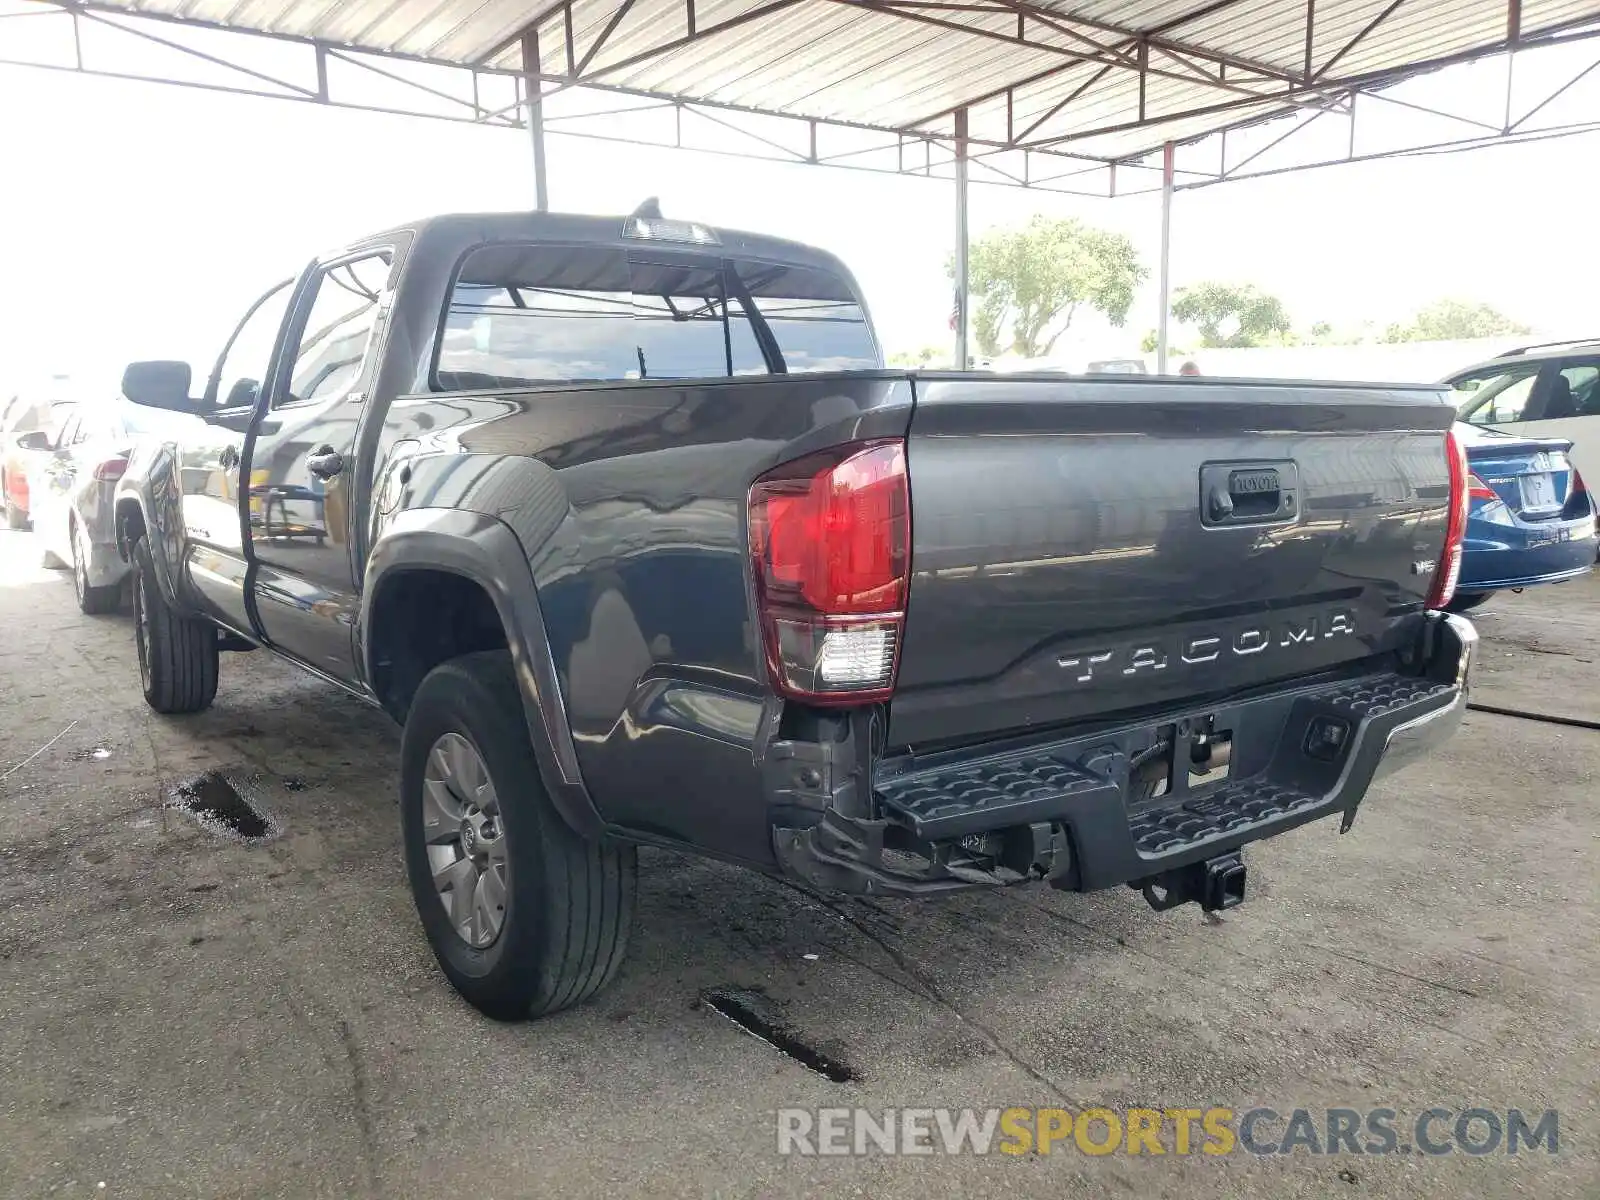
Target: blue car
[(1531, 519)]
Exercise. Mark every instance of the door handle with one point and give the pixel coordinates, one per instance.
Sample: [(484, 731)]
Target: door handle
[(325, 462)]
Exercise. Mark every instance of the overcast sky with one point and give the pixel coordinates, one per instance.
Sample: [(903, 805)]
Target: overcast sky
[(138, 220)]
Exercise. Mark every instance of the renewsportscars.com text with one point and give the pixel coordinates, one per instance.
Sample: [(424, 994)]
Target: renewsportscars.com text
[(1213, 1132)]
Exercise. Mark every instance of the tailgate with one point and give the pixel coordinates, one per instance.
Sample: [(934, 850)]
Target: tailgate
[(1085, 548)]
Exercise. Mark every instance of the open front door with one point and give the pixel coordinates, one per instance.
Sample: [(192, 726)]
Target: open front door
[(301, 462), (210, 462)]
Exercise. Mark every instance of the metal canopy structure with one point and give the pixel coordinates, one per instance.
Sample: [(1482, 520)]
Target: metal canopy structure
[(1094, 97), (1097, 80)]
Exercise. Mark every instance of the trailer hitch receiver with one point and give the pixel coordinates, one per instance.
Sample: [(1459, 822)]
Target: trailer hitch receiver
[(1214, 884)]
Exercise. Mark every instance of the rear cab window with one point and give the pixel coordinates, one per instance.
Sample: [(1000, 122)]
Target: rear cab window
[(540, 313)]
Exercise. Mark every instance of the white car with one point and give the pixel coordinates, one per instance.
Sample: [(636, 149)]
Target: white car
[(1550, 391), (20, 416), (72, 489)]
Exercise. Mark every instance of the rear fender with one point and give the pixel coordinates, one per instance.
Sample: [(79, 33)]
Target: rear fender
[(485, 550)]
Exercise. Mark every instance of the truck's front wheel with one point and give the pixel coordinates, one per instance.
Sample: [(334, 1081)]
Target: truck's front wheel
[(177, 654), (525, 917)]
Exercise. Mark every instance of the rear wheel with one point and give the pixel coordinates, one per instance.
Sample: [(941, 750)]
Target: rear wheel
[(92, 600), (524, 916), (1466, 601), (177, 654)]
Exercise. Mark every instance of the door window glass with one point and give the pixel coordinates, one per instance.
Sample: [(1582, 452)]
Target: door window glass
[(338, 330), (1583, 381), (69, 433), (1495, 396), (244, 362)]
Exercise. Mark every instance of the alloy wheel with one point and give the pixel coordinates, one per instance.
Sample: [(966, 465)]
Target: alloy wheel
[(141, 628), (465, 840), (80, 564)]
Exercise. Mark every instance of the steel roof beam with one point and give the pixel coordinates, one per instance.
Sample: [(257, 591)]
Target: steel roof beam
[(1382, 16), (107, 21), (1155, 38), (907, 10), (1561, 33), (1199, 72), (1311, 25), (699, 35), (1097, 44), (1432, 112), (1513, 126), (515, 39), (1305, 98), (1058, 106), (1178, 22), (993, 94), (605, 35)]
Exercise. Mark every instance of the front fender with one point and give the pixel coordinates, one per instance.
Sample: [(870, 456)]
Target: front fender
[(485, 550), (141, 503)]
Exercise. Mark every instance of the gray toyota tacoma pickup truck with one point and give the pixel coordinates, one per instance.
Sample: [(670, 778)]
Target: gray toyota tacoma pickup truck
[(627, 525)]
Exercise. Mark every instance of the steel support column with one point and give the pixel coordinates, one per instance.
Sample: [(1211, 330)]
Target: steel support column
[(534, 94), (1166, 257), (962, 306)]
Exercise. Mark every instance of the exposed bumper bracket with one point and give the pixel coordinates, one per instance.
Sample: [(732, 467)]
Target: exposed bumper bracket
[(1064, 810)]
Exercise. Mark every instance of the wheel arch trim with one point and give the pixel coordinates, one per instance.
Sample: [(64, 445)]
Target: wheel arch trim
[(130, 499), (484, 549)]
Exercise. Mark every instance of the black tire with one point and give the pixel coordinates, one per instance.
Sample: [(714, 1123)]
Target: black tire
[(1467, 601), (177, 654), (95, 601), (15, 517), (569, 900)]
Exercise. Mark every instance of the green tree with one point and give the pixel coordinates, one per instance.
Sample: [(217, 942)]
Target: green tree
[(1232, 315), (926, 357), (1151, 342), (1454, 320), (1027, 284)]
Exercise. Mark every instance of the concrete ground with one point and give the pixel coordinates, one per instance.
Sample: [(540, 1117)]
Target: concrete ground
[(182, 1015)]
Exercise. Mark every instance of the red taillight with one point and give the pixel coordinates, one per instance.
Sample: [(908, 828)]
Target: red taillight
[(111, 470), (1448, 571), (830, 545), (1477, 489)]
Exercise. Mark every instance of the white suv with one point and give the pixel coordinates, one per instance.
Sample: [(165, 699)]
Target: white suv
[(1542, 391)]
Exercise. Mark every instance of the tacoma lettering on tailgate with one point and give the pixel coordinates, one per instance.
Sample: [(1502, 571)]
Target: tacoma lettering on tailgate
[(1196, 650)]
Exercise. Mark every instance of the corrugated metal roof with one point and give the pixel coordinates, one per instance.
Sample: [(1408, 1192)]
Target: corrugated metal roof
[(1106, 79)]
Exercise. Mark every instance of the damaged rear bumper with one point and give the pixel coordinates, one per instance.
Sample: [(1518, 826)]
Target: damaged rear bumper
[(1077, 811)]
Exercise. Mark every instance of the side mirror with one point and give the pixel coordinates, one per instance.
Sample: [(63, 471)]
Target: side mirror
[(243, 394), (159, 384), (37, 440)]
